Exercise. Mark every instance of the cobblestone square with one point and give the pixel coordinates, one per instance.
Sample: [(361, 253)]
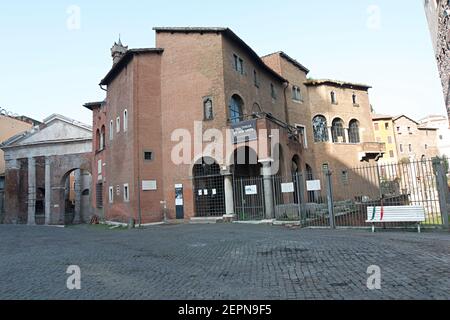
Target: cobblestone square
[(221, 261)]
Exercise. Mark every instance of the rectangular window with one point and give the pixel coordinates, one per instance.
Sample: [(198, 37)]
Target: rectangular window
[(391, 153), (126, 192), (111, 194), (325, 167), (401, 148), (296, 94), (148, 155), (410, 148), (376, 126), (426, 147), (111, 130), (238, 64), (386, 125), (389, 139), (302, 134), (273, 92), (255, 79)]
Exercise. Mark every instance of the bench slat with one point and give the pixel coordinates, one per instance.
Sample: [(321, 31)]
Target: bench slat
[(397, 214)]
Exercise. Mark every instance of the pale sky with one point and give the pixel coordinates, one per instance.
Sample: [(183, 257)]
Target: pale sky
[(53, 58)]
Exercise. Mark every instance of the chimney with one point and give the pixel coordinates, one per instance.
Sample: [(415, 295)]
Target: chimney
[(118, 50)]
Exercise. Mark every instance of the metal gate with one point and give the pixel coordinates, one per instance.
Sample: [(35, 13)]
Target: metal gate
[(249, 198), (209, 196)]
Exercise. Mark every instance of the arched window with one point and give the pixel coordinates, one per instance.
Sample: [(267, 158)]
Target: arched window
[(235, 109), (353, 131), (208, 109), (333, 97), (102, 138), (320, 129), (125, 120), (111, 130), (118, 124), (338, 131)]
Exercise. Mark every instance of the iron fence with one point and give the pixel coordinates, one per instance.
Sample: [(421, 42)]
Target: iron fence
[(333, 197), (2, 205)]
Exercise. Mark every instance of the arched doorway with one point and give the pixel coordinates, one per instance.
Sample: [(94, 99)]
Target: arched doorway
[(296, 176), (209, 189), (75, 196)]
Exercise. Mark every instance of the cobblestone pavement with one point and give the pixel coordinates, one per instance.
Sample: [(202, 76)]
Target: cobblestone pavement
[(223, 261)]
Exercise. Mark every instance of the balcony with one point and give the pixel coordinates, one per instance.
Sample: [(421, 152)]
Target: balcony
[(372, 151)]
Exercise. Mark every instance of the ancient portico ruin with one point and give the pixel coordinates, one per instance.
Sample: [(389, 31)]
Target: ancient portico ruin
[(45, 166)]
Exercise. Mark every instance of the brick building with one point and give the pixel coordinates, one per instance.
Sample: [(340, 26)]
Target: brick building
[(438, 16), (209, 82), (414, 141)]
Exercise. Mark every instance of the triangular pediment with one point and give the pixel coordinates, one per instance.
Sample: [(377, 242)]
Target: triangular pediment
[(55, 128)]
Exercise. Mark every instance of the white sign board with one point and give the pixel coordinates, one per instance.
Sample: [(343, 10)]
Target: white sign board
[(149, 185), (313, 185), (178, 202), (287, 187), (251, 190)]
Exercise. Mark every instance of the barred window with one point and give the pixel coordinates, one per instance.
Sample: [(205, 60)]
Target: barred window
[(338, 131)]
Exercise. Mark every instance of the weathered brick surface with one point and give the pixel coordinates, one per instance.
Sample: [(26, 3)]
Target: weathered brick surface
[(221, 262)]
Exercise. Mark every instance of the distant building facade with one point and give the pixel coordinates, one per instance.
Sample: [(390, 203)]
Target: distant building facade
[(383, 127), (443, 132), (198, 79), (414, 141), (438, 16)]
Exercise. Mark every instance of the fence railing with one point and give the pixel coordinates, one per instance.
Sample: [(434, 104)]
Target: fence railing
[(339, 197)]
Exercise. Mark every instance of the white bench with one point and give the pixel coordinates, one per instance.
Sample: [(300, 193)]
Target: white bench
[(396, 214)]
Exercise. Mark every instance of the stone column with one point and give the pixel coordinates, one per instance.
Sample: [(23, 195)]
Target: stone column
[(266, 172), (229, 201), (31, 191), (346, 135), (12, 190), (48, 192), (77, 189), (330, 135)]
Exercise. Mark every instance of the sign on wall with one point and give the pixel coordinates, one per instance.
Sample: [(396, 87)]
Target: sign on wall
[(149, 185), (243, 131), (313, 185)]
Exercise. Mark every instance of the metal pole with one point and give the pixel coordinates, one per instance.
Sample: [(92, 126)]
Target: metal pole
[(330, 200), (442, 190)]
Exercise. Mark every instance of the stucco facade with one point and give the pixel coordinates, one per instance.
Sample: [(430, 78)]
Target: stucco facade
[(383, 127)]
